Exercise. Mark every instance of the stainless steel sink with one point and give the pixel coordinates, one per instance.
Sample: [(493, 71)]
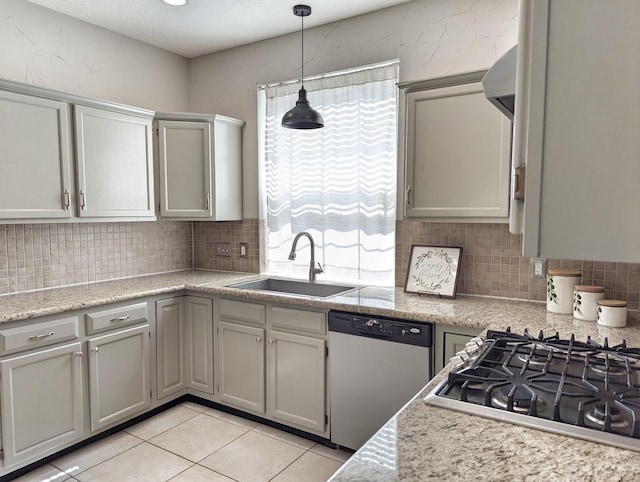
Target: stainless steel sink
[(294, 287)]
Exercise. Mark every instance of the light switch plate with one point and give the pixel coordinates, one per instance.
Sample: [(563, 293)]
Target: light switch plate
[(538, 268), (244, 248), (223, 249)]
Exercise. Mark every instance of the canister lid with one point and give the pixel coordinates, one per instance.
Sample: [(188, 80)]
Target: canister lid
[(590, 289), (613, 303), (564, 272)]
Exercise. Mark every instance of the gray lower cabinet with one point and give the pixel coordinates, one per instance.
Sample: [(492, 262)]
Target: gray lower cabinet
[(42, 402), (272, 361), (170, 346), (199, 343), (119, 385), (241, 376), (297, 380), (450, 340)]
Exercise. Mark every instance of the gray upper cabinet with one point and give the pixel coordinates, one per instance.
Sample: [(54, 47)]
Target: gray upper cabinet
[(577, 128), (35, 172), (200, 166), (457, 150), (111, 159), (115, 163)]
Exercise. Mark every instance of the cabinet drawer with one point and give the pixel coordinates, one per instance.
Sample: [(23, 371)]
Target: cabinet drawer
[(116, 317), (38, 334), (298, 320), (242, 311)]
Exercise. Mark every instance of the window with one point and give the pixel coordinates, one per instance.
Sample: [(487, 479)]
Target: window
[(338, 183)]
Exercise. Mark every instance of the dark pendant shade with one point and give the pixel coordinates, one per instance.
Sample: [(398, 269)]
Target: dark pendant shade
[(302, 116)]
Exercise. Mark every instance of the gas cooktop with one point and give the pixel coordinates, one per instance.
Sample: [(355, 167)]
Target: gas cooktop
[(575, 388)]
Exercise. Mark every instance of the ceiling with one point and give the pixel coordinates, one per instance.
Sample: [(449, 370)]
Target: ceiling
[(205, 26)]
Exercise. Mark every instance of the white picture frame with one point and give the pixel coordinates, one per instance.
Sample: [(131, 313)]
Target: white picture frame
[(433, 270)]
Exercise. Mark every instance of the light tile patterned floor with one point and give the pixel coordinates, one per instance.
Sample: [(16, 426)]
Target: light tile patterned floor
[(193, 443)]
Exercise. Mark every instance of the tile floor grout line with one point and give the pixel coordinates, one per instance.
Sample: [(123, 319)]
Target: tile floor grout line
[(289, 465), (161, 413), (52, 463), (208, 455), (279, 439)]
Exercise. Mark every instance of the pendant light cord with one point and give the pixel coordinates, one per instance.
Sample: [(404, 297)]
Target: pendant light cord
[(302, 56)]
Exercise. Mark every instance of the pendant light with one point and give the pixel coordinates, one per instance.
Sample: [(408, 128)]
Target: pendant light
[(302, 116)]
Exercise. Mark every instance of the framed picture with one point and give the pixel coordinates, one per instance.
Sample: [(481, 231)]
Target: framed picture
[(433, 270)]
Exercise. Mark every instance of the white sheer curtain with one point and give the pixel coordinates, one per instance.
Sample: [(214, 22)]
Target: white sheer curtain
[(339, 182)]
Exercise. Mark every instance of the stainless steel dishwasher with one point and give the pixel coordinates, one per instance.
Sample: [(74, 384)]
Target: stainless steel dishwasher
[(376, 366)]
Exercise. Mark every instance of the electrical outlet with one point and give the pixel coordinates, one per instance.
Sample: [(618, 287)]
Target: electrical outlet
[(244, 248), (538, 268), (223, 249)]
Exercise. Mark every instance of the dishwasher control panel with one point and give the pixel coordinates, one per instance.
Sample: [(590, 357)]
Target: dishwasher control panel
[(389, 329)]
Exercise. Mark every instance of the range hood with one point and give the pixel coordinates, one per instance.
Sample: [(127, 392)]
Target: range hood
[(499, 83)]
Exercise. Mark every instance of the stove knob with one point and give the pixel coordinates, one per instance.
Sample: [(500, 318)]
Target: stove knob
[(472, 348), (456, 362), (464, 355), (478, 341)]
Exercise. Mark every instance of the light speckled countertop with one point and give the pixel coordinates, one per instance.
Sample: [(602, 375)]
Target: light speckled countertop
[(421, 442)]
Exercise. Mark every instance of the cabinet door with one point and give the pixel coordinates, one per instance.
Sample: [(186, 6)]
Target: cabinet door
[(458, 151), (170, 333), (41, 402), (114, 159), (449, 340), (118, 375), (199, 320), (296, 381), (35, 175), (577, 125), (241, 366), (184, 153), (228, 169)]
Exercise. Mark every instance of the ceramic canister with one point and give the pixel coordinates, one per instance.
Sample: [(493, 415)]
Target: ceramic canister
[(612, 313), (560, 284), (585, 302)]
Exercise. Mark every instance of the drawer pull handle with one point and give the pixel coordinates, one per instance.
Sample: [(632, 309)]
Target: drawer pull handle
[(119, 318), (38, 337)]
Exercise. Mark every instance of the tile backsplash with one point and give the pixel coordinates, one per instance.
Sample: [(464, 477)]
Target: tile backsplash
[(206, 235), (36, 256), (493, 266)]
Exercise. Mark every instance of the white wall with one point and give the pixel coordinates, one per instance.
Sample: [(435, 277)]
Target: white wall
[(432, 38), (45, 48)]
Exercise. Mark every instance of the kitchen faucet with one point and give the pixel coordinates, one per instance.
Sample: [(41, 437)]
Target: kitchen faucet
[(313, 271)]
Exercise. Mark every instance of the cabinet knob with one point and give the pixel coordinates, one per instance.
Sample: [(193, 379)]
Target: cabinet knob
[(79, 354), (272, 341), (95, 349), (258, 339)]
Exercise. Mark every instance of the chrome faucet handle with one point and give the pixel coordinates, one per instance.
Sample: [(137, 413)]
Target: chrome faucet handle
[(318, 270)]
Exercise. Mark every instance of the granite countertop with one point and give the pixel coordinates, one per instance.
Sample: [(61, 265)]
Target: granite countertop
[(422, 441), (425, 442)]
